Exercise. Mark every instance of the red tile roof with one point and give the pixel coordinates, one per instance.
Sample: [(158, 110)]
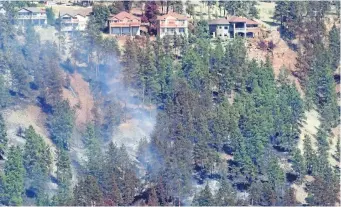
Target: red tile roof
[(219, 21), (172, 14), (241, 19), (123, 15)]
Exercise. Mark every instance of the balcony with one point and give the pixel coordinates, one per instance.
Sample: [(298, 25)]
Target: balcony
[(240, 29), (31, 17)]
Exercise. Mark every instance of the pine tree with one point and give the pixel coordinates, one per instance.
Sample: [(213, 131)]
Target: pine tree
[(309, 154), (61, 123), (226, 195), (3, 138), (93, 152), (337, 151), (37, 161), (87, 192), (152, 198), (298, 164), (4, 95), (205, 197), (289, 198), (64, 176), (13, 178), (334, 46)]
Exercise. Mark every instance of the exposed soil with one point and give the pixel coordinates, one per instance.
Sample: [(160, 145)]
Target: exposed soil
[(31, 115), (301, 194), (81, 99), (281, 56)]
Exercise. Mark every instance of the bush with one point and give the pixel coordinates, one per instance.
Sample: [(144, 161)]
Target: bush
[(262, 45)]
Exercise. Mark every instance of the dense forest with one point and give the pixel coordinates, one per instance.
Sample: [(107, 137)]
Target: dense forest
[(212, 101)]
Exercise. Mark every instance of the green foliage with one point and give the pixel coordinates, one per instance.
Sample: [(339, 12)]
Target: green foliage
[(64, 176), (37, 162), (4, 95), (226, 195), (93, 151), (61, 123), (12, 181), (3, 138), (298, 164), (101, 14), (50, 16), (87, 192), (205, 197), (241, 8), (334, 46)]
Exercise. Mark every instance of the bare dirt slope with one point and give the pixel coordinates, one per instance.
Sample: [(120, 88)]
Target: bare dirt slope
[(31, 115), (281, 56), (80, 98)]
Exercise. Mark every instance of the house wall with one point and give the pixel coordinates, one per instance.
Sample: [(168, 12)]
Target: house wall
[(222, 31), (125, 31), (26, 17), (172, 26), (82, 22)]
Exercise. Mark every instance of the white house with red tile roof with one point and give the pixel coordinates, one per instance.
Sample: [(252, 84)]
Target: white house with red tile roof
[(172, 24), (124, 23), (230, 27)]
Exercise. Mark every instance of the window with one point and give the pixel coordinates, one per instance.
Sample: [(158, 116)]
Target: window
[(171, 30), (225, 35), (225, 27), (181, 30), (220, 35), (220, 27)]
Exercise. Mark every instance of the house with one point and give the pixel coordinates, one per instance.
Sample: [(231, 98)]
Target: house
[(172, 24), (2, 10), (74, 19), (32, 15), (124, 23), (230, 27)]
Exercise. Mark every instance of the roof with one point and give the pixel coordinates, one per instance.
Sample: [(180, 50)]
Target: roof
[(232, 19), (172, 14), (34, 9), (241, 19), (219, 21), (123, 15), (73, 12)]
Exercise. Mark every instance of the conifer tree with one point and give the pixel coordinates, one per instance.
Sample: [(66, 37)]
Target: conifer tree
[(61, 123), (298, 164), (87, 192), (93, 152), (3, 138), (309, 154), (226, 195), (37, 162), (205, 197), (64, 176), (13, 178), (334, 46)]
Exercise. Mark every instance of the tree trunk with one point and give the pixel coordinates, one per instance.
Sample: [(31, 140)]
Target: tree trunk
[(167, 6)]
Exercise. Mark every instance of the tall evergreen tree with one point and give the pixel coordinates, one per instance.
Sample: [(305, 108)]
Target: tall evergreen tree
[(3, 138), (13, 178), (37, 162)]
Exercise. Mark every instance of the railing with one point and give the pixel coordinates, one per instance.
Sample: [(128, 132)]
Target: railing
[(240, 29), (31, 17)]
